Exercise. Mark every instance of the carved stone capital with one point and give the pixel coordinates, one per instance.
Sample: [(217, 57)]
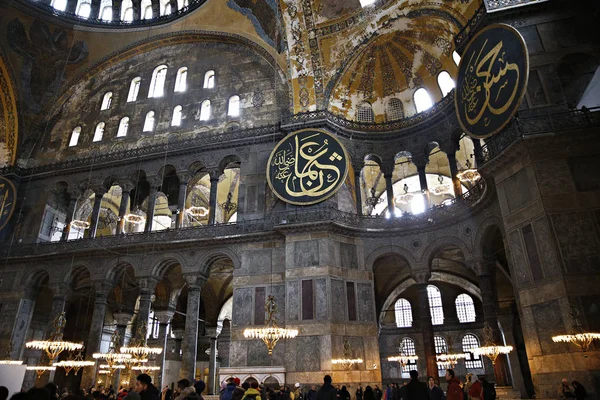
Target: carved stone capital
[(387, 168), (155, 182), (59, 289), (74, 192), (211, 332), (214, 174), (164, 316), (421, 276), (420, 161), (122, 318), (195, 280), (102, 288), (126, 185), (184, 177), (147, 284)]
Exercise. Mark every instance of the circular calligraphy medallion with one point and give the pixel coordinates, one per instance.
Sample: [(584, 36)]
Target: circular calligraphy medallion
[(492, 80), (8, 196), (307, 167)]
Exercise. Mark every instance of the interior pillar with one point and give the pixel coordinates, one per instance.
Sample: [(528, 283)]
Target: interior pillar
[(189, 345), (164, 319), (98, 193), (184, 178), (126, 188), (151, 206), (214, 180), (73, 197), (453, 172), (425, 324), (121, 319)]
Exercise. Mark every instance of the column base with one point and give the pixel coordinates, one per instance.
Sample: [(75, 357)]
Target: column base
[(507, 393)]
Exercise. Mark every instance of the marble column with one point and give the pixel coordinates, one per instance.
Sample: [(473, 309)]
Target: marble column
[(73, 197), (126, 188), (71, 6), (143, 313), (212, 364), (453, 172), (164, 318), (98, 193), (122, 319), (389, 188), (22, 321), (214, 181), (59, 300), (477, 151), (357, 188), (88, 378), (423, 183), (95, 9), (490, 305), (154, 186), (189, 345), (184, 178), (425, 325)]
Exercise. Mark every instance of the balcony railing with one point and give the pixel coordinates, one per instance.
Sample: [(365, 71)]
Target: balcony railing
[(362, 225), (536, 125)]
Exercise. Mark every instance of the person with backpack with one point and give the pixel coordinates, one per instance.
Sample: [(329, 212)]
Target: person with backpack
[(252, 393)]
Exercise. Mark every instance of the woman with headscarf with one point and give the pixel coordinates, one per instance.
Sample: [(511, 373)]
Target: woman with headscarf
[(474, 391)]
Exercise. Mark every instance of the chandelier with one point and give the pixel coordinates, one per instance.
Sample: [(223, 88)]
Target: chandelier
[(441, 188), (403, 358), (491, 350), (197, 211), (138, 348), (405, 198), (469, 174), (270, 334), (135, 217), (113, 357), (347, 361), (373, 200), (40, 369), (73, 365), (579, 338), (54, 345), (229, 206), (144, 369), (447, 359), (80, 224), (133, 362)]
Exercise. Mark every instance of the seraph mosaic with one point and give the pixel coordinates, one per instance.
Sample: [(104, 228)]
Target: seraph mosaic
[(263, 15), (45, 56)]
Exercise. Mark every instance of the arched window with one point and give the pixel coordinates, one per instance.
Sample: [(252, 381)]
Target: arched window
[(455, 57), (403, 310), (99, 132), (134, 89), (394, 110), (441, 346), (470, 342), (127, 10), (205, 110), (75, 137), (123, 126), (234, 106), (107, 14), (408, 349), (60, 5), (106, 101), (146, 7), (176, 120), (149, 122), (84, 9), (445, 82), (435, 305), (365, 113), (465, 308), (209, 80), (422, 100), (181, 80), (157, 84)]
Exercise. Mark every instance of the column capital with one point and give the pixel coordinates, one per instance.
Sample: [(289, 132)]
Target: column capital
[(483, 266), (387, 168), (147, 284), (99, 190), (102, 288), (449, 147), (421, 276), (155, 182), (74, 192), (126, 185), (59, 289), (214, 174), (122, 318), (211, 332), (195, 280), (420, 161), (164, 316), (184, 177)]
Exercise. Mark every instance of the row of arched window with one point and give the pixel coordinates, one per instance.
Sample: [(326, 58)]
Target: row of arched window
[(157, 85), (233, 110), (84, 9), (394, 109), (465, 309), (468, 343)]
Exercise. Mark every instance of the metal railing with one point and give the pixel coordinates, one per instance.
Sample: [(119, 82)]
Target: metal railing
[(536, 125), (363, 225)]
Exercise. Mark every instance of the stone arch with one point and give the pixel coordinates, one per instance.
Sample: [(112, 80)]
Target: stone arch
[(195, 167), (78, 276), (430, 251), (228, 160), (205, 261), (37, 277), (8, 112), (373, 157), (389, 249), (167, 261), (115, 269), (483, 234)]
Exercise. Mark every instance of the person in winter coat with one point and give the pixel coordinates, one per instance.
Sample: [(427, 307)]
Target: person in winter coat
[(454, 390), (476, 388), (228, 392), (312, 393), (565, 391), (416, 390), (378, 393), (344, 394), (359, 393), (579, 390), (144, 386), (327, 391), (435, 393), (186, 390), (200, 386), (252, 393), (488, 390), (369, 394)]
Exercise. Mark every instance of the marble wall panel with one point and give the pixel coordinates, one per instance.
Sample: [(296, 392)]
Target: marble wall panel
[(578, 241), (307, 356), (329, 252), (321, 299), (258, 355), (293, 301), (256, 262), (306, 253), (238, 353), (517, 190), (279, 292), (338, 301), (519, 264), (348, 256), (546, 248), (242, 306), (366, 302), (549, 322)]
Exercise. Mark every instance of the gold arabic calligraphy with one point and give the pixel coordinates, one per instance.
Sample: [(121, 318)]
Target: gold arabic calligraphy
[(493, 84), (303, 167)]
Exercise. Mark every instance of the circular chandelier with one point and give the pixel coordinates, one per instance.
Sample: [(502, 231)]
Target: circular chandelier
[(138, 348), (373, 200), (74, 365), (146, 368), (54, 345), (112, 357), (403, 359), (441, 188), (197, 211), (491, 350), (405, 198), (11, 362), (80, 224), (40, 369), (347, 361), (450, 359), (7, 358), (135, 217), (469, 174), (579, 338), (270, 334), (132, 362)]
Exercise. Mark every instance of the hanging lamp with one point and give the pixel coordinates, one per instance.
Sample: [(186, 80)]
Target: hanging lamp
[(54, 345), (347, 360), (270, 334), (579, 337), (490, 349)]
